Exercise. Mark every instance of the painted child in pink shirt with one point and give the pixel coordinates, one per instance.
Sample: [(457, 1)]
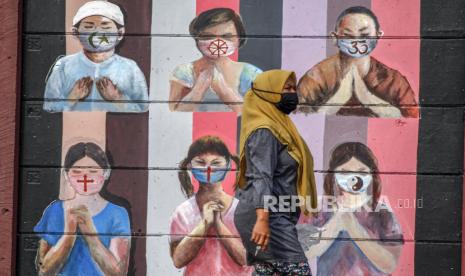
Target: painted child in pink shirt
[(203, 237)]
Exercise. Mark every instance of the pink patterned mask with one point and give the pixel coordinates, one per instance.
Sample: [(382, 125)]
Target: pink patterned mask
[(87, 184), (216, 48)]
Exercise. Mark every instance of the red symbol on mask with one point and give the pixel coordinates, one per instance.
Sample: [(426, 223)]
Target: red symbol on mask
[(85, 181), (209, 171), (218, 47)]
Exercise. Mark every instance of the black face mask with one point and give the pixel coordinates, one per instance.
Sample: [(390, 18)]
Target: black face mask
[(288, 102)]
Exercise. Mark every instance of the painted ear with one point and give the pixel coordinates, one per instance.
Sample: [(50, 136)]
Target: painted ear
[(380, 33), (333, 37), (75, 31), (65, 175), (121, 32)]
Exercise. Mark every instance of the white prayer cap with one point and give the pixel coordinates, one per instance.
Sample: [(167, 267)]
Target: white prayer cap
[(103, 8)]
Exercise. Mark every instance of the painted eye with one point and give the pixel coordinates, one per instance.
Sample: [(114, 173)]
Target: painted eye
[(198, 163)]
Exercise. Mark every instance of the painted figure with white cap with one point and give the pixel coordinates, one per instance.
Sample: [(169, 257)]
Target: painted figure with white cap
[(97, 79)]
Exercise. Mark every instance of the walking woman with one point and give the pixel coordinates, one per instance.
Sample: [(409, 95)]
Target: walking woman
[(274, 162), (203, 238)]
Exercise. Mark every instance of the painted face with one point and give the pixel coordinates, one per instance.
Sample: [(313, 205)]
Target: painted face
[(99, 34), (218, 41), (209, 168), (357, 35), (86, 177), (354, 177)]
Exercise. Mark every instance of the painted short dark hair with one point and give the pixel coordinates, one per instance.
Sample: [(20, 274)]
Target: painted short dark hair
[(214, 17), (358, 10), (81, 150), (205, 144)]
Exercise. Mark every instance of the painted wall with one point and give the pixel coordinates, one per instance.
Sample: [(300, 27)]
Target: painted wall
[(142, 124)]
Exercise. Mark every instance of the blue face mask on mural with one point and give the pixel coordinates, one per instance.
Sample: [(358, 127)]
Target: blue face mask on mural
[(97, 42), (357, 48), (210, 175)]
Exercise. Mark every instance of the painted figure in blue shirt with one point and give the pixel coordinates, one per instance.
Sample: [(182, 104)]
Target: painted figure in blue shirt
[(214, 82), (85, 235), (97, 79)]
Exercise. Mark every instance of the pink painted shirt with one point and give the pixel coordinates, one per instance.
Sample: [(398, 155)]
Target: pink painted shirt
[(212, 259)]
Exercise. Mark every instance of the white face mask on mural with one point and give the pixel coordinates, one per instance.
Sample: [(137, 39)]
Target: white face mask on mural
[(99, 41), (216, 48), (353, 183), (357, 48)]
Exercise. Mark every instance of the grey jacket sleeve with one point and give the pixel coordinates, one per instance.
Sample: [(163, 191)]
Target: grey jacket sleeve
[(261, 153)]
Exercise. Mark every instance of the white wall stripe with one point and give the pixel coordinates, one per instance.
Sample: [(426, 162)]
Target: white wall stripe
[(170, 133)]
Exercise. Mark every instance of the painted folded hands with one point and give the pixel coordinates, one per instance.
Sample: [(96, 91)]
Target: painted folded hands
[(212, 79), (353, 86), (83, 87)]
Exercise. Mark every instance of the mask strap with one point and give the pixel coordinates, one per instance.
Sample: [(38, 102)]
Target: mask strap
[(258, 95), (65, 175), (107, 174), (228, 166)]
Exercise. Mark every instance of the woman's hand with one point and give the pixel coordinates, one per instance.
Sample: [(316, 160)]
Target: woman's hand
[(261, 230)]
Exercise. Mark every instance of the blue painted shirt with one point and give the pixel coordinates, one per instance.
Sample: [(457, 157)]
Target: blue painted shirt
[(123, 72), (111, 221)]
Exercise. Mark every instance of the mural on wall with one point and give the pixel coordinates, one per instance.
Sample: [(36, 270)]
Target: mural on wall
[(352, 78), (197, 236), (207, 213), (94, 236), (357, 216), (85, 233), (377, 124), (215, 77), (96, 78)]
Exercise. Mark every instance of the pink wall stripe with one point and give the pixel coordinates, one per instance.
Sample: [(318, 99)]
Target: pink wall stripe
[(222, 124), (395, 142)]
